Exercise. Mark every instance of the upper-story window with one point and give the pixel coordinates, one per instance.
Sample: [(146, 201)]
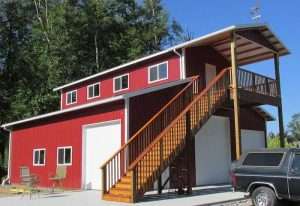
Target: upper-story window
[(71, 97), (158, 72), (121, 82), (93, 91)]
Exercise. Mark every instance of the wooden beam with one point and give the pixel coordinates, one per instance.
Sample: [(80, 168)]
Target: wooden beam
[(258, 38), (280, 113), (234, 84)]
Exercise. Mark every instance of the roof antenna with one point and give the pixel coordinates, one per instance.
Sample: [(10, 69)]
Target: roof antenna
[(255, 12)]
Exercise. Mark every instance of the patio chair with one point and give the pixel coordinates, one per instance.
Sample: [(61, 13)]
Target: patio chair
[(59, 177), (29, 182)]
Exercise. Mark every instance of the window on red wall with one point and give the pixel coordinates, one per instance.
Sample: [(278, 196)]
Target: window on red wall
[(39, 157), (93, 91), (71, 97), (158, 72), (64, 156), (121, 82)]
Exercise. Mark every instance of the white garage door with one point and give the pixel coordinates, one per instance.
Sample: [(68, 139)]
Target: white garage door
[(100, 142), (212, 152), (252, 139)]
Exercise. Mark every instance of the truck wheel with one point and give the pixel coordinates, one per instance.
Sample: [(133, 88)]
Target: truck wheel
[(264, 196)]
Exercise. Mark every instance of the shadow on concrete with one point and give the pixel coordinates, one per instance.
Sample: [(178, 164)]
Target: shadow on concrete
[(172, 194)]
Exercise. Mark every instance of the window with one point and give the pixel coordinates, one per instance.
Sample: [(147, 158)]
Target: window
[(158, 72), (121, 83), (71, 97), (64, 155), (39, 156), (93, 91), (263, 159), (296, 163)]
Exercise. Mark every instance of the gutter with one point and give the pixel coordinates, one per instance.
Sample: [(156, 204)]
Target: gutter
[(6, 180)]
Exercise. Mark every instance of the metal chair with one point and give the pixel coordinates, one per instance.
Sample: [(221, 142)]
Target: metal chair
[(59, 177), (28, 181)]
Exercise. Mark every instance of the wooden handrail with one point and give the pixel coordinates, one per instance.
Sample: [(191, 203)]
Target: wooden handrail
[(117, 166), (150, 120), (207, 88), (155, 158)]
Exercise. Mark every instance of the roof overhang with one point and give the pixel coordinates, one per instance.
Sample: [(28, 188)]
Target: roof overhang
[(255, 42)]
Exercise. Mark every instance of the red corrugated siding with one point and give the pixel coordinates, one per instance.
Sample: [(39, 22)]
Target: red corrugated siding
[(138, 79), (63, 130)]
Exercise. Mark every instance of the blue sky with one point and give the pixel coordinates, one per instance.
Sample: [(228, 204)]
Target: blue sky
[(202, 16)]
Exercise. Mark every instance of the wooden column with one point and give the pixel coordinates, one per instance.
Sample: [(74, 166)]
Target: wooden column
[(236, 106), (280, 113)]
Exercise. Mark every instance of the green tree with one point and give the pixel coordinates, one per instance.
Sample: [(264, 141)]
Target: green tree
[(294, 127)]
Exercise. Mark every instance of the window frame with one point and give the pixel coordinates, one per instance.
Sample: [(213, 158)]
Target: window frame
[(57, 156), (258, 166), (92, 85), (120, 77), (33, 158), (293, 160), (157, 70), (71, 98)]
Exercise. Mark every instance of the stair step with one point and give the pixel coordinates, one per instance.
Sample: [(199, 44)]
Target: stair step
[(120, 191), (117, 198), (122, 185)]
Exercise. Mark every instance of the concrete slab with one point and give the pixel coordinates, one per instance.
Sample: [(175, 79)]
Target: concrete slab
[(200, 196)]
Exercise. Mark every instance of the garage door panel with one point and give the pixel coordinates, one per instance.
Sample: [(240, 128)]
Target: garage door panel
[(212, 152), (101, 141)]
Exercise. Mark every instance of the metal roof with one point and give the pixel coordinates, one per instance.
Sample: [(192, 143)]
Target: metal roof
[(247, 51)]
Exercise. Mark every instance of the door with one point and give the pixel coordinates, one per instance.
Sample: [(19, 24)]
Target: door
[(210, 73), (212, 152), (294, 178), (100, 142)]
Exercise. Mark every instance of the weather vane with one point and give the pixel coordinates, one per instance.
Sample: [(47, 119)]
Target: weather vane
[(255, 12)]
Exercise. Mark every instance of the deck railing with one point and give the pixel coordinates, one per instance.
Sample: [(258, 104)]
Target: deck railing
[(257, 83)]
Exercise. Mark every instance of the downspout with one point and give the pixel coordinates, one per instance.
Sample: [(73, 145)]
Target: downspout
[(180, 62), (6, 180)]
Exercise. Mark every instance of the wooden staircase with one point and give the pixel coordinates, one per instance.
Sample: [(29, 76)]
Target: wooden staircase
[(132, 170)]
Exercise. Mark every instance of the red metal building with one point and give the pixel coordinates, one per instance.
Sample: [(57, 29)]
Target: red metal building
[(116, 117)]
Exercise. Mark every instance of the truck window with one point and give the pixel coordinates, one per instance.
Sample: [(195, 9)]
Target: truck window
[(296, 163), (263, 159)]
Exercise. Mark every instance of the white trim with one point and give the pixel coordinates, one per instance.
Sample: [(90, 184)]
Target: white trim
[(183, 63), (157, 70), (83, 151), (9, 156), (87, 91), (118, 77), (61, 99), (171, 49), (71, 97), (99, 102), (71, 157), (126, 119), (33, 157)]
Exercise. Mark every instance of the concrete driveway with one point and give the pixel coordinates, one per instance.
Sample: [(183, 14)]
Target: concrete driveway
[(200, 196)]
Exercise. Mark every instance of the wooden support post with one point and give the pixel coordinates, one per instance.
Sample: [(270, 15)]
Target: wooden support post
[(280, 113), (189, 152), (236, 105)]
